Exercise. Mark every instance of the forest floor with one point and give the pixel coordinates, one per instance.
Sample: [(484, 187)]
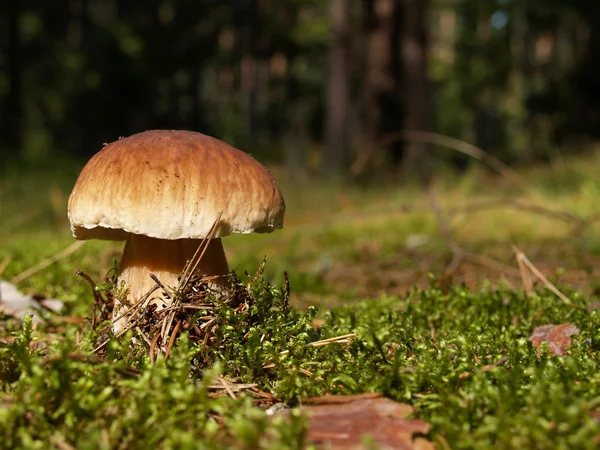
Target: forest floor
[(429, 298)]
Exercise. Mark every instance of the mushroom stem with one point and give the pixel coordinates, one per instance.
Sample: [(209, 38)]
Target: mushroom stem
[(166, 259)]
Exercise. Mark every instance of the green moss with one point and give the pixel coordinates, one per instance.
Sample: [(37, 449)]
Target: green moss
[(427, 350), (463, 359)]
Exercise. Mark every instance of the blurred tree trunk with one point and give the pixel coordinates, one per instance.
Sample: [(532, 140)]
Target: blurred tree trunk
[(76, 29), (12, 111), (296, 140), (337, 152), (415, 85), (250, 70), (382, 97), (519, 86)]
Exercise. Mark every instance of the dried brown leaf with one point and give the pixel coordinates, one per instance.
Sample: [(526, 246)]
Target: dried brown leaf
[(341, 422), (558, 337)]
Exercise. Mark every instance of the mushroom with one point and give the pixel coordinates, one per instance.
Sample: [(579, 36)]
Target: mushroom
[(162, 191)]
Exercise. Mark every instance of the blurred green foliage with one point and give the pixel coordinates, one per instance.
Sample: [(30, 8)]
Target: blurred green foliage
[(515, 77)]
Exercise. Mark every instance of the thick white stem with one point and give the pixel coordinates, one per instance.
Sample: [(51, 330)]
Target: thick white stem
[(166, 259)]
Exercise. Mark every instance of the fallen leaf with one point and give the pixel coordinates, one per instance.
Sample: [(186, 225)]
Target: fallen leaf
[(558, 337), (342, 422), (16, 304)]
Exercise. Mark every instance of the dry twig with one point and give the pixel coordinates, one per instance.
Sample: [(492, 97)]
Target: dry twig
[(459, 254)]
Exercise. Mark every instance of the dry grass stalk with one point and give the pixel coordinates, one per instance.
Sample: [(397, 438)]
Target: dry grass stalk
[(143, 335), (153, 347), (4, 264), (132, 324), (193, 313), (343, 339), (525, 276), (188, 272), (526, 265), (192, 264), (173, 337), (227, 388), (136, 307), (47, 262), (234, 387), (309, 374)]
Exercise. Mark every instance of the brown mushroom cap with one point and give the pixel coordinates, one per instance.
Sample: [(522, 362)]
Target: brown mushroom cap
[(171, 184)]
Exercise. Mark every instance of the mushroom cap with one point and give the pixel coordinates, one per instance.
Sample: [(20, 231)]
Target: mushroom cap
[(172, 184)]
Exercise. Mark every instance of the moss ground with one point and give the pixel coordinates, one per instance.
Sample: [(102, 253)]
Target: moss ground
[(362, 260)]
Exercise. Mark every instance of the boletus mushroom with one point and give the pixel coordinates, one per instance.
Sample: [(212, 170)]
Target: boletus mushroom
[(162, 191)]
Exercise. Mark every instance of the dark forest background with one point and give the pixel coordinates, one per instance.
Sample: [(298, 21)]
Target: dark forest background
[(315, 86)]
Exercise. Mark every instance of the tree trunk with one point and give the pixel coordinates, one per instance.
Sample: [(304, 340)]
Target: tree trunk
[(383, 113), (337, 152), (416, 86), (250, 65), (12, 112)]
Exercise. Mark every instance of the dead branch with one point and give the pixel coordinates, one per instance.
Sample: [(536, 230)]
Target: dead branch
[(459, 254), (564, 216), (427, 137)]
